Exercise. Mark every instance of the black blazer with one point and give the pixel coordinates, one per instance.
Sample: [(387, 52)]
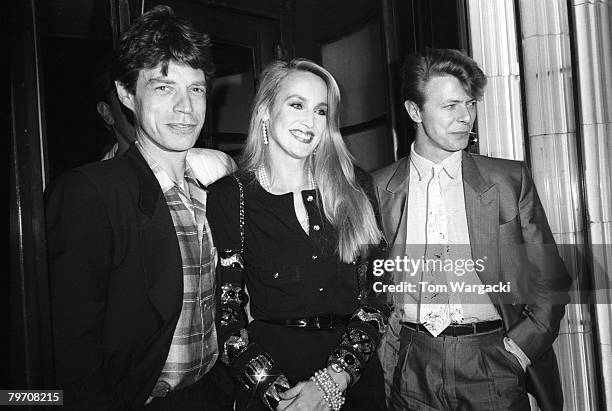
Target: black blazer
[(116, 282)]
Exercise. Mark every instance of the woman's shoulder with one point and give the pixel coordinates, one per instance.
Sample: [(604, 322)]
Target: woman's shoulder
[(229, 186), (223, 193), (223, 184)]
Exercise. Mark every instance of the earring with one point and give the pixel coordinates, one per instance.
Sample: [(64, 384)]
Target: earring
[(264, 129), (315, 150)]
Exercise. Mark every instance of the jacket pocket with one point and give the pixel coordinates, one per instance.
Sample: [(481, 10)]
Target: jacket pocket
[(283, 288)]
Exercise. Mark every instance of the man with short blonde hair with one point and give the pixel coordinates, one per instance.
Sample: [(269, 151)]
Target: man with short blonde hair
[(451, 346)]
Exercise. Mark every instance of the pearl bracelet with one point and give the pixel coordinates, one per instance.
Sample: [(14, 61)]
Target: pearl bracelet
[(331, 390)]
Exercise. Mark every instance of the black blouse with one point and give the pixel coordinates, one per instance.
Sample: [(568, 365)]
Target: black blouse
[(288, 273)]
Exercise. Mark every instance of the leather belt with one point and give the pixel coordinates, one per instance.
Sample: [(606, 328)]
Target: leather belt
[(320, 322), (455, 330)]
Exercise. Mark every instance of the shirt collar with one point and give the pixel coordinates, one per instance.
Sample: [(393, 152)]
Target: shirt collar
[(451, 164), (165, 182)]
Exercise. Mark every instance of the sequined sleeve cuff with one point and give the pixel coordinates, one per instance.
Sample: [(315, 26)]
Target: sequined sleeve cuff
[(257, 373), (359, 341)]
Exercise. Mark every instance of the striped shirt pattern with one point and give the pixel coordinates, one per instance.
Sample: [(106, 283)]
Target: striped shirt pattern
[(194, 350)]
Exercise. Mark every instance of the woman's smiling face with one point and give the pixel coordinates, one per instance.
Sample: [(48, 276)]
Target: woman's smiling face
[(298, 119)]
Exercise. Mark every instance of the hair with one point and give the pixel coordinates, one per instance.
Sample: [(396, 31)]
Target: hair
[(344, 202), (157, 38), (419, 68)]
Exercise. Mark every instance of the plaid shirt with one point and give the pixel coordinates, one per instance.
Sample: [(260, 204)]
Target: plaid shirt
[(194, 346)]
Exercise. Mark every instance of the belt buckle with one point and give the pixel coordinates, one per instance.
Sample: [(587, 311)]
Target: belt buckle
[(302, 323)]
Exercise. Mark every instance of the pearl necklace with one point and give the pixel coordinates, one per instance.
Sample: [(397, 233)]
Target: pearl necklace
[(262, 176)]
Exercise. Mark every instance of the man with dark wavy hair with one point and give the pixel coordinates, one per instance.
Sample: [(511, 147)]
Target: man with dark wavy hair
[(131, 257), (449, 345)]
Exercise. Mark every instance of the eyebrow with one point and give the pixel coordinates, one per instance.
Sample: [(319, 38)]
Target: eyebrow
[(294, 96), (304, 99), (164, 80), (457, 100), (160, 80)]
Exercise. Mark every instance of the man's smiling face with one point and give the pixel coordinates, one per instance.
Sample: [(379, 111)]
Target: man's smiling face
[(169, 109)]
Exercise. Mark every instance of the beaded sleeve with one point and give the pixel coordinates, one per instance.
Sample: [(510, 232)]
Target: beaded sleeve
[(363, 333), (253, 368)]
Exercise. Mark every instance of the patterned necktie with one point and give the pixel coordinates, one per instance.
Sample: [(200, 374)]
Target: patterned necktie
[(435, 312)]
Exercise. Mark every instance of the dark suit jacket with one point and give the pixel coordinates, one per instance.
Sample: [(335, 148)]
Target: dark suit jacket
[(507, 224), (116, 282)]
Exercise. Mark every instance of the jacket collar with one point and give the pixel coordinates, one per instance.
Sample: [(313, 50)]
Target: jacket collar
[(149, 187), (399, 180), (472, 175), (163, 268), (392, 197), (482, 212)]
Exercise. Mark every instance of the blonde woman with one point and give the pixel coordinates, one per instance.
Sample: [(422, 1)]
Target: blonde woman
[(296, 226)]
